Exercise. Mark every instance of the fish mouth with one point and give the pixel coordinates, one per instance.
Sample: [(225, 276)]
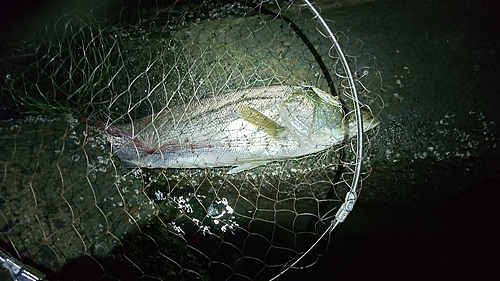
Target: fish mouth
[(369, 121)]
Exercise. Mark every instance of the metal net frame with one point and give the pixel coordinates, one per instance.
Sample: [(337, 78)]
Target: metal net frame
[(68, 201)]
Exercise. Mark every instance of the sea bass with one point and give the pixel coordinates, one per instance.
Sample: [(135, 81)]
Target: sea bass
[(243, 129)]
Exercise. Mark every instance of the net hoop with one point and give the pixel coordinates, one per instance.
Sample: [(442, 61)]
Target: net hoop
[(352, 195)]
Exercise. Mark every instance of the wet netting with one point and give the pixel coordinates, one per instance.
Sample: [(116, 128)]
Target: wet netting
[(193, 141)]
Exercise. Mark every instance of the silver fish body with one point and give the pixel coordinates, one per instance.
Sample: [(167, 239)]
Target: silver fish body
[(244, 129)]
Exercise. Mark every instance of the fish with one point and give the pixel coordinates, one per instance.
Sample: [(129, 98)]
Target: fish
[(243, 129)]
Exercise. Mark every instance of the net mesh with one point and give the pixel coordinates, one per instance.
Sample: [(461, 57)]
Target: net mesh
[(68, 201)]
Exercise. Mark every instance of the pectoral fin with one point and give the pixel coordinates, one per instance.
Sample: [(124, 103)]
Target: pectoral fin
[(246, 166), (260, 121)]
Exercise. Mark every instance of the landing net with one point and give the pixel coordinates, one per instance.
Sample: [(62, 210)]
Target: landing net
[(68, 202)]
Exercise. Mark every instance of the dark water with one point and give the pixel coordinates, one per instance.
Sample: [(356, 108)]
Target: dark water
[(426, 213)]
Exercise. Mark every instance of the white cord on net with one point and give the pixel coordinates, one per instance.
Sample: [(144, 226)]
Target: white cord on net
[(352, 194)]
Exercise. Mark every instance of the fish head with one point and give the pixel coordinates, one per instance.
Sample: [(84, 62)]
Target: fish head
[(314, 117)]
